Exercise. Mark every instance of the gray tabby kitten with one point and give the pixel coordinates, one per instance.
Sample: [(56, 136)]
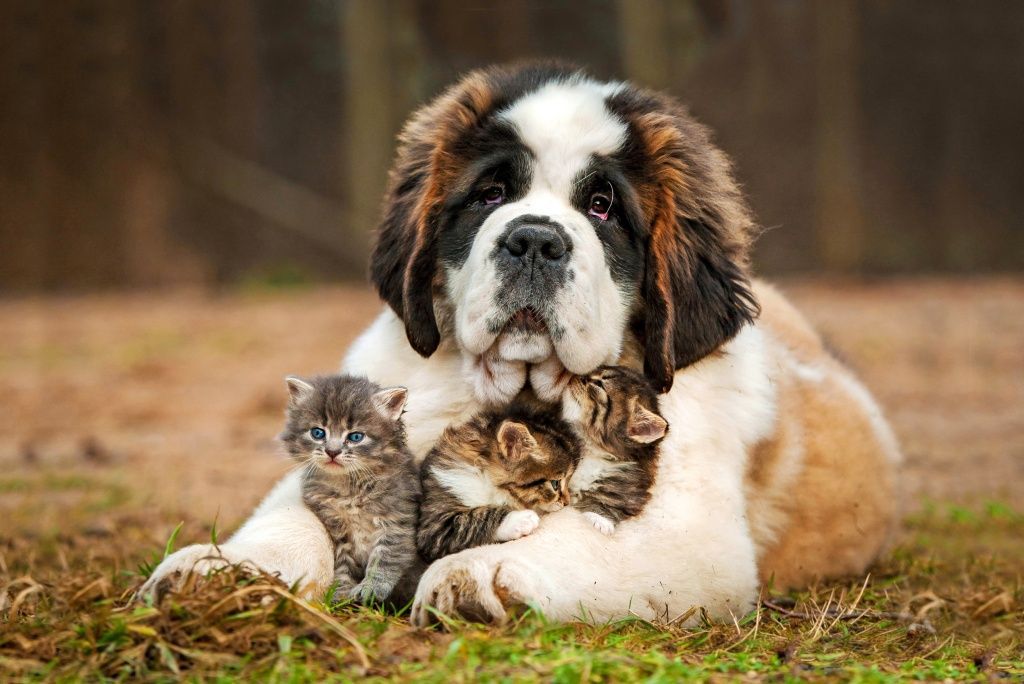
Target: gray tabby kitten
[(360, 479), (616, 412)]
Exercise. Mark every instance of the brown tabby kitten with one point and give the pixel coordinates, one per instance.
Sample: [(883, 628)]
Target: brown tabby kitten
[(616, 411), (486, 480), (360, 479)]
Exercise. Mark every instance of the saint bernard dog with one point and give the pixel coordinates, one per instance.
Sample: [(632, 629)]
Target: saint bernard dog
[(540, 223)]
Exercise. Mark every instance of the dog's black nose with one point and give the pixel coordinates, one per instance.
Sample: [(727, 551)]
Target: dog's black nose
[(533, 241)]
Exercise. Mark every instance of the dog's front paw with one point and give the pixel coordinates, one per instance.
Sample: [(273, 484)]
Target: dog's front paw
[(495, 381), (475, 585), (549, 378), (517, 524), (600, 523), (199, 559)]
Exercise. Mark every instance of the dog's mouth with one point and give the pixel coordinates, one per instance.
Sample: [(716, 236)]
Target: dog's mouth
[(525, 337), (526, 320)]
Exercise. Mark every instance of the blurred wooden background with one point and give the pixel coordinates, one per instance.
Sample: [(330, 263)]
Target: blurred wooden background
[(189, 141)]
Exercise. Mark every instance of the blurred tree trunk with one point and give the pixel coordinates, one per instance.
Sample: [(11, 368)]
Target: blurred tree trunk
[(23, 224), (840, 215), (659, 41), (381, 71), (645, 42)]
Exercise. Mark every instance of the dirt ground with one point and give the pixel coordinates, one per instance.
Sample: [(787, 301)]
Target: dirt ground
[(166, 405)]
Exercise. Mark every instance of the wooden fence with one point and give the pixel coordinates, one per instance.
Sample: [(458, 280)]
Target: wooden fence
[(154, 143)]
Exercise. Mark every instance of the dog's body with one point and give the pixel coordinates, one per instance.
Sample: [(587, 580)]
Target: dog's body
[(540, 223)]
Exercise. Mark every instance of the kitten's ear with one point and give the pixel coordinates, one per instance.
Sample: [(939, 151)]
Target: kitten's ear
[(645, 426), (298, 389), (514, 441), (390, 402)]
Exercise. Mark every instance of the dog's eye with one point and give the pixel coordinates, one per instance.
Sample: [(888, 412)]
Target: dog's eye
[(600, 205), (493, 194)]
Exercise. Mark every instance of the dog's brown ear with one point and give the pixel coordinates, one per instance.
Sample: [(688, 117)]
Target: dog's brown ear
[(404, 259), (697, 298), (696, 287)]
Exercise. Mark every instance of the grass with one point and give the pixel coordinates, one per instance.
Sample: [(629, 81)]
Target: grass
[(152, 422), (946, 604)]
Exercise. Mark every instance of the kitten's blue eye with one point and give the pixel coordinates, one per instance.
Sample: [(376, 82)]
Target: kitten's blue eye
[(355, 437), (317, 433)]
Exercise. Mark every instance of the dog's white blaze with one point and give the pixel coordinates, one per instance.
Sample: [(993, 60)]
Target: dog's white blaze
[(565, 125)]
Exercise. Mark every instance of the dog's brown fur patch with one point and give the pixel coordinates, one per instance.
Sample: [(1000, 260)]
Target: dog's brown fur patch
[(823, 490)]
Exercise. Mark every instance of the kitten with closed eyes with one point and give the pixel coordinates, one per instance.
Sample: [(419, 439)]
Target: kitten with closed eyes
[(487, 480), (616, 412), (359, 479)]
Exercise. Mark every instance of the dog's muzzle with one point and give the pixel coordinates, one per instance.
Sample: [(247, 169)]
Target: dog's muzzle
[(532, 257)]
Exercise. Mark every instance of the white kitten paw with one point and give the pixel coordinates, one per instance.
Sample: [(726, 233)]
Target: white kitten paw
[(600, 523), (517, 524)]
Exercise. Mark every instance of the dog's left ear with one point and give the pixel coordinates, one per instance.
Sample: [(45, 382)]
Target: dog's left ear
[(404, 257), (696, 288)]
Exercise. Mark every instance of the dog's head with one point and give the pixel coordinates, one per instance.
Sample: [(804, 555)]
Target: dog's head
[(534, 211)]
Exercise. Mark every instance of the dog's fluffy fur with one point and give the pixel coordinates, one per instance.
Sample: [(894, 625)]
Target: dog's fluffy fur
[(779, 465)]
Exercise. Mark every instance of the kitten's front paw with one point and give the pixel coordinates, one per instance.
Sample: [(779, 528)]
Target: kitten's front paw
[(367, 592), (600, 523), (517, 524)]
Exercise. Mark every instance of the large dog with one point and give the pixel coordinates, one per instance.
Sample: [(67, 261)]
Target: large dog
[(538, 224)]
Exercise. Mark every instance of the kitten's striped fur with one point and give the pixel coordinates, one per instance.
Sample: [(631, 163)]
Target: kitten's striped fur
[(486, 480), (616, 412)]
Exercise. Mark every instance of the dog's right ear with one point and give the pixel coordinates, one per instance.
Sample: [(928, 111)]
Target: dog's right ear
[(402, 264), (404, 257)]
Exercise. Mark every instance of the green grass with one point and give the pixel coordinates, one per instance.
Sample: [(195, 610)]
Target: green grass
[(946, 604)]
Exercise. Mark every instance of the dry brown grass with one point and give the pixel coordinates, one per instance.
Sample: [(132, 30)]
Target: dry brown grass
[(126, 414)]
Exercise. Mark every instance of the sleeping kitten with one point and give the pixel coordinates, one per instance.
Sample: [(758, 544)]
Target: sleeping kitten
[(486, 480), (359, 479), (616, 412)]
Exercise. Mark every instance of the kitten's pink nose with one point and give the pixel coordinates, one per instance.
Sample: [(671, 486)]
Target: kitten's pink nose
[(332, 453)]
